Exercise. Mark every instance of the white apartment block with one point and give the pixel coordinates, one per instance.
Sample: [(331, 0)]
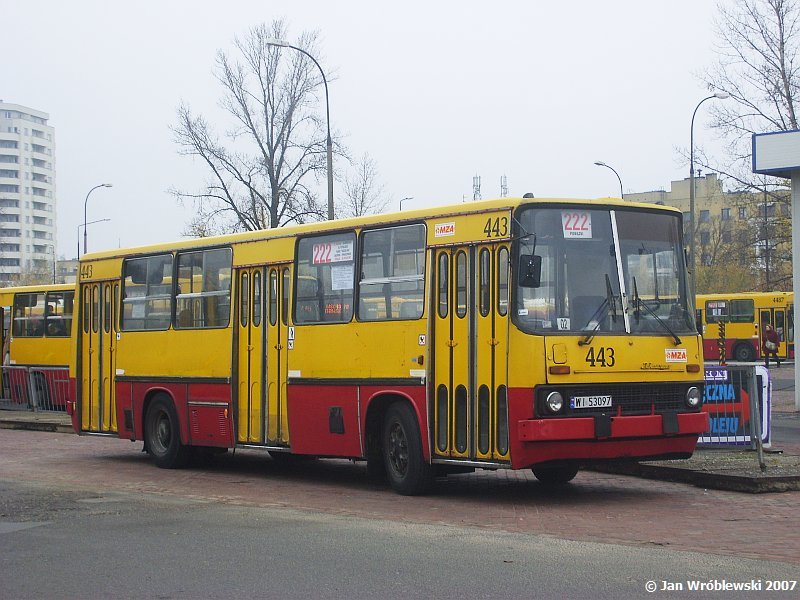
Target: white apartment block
[(27, 192)]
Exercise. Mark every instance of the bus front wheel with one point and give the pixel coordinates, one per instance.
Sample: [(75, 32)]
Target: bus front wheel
[(555, 475), (408, 472), (163, 435)]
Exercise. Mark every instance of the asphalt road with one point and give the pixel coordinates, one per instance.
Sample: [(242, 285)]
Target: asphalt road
[(61, 543), (88, 517)]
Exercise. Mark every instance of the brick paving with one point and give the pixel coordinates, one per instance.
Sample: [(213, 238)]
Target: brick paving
[(596, 507)]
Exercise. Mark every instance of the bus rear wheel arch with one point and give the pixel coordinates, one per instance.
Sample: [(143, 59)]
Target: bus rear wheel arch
[(162, 434), (408, 472)]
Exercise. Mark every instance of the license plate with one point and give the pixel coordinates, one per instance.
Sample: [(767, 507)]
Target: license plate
[(590, 401)]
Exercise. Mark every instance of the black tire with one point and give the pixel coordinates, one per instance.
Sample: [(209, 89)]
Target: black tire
[(406, 469), (162, 435), (744, 353), (555, 475)]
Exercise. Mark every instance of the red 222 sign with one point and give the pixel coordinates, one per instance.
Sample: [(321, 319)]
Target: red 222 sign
[(576, 224)]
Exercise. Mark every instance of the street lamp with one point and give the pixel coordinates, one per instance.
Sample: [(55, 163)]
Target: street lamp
[(602, 164), (285, 44), (692, 259), (404, 199), (84, 227), (85, 202)]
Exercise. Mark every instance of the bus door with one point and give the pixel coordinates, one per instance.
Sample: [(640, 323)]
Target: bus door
[(778, 318), (251, 359), (98, 337), (470, 341), (278, 342)]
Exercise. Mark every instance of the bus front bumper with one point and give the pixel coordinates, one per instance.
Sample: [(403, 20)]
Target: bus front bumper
[(611, 427)]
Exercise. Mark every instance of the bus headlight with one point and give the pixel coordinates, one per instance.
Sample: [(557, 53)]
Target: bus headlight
[(554, 402), (693, 397)]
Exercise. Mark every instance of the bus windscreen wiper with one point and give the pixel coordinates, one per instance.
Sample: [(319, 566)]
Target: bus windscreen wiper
[(608, 302), (638, 303)]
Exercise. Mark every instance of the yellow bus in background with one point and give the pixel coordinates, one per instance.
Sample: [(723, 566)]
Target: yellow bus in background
[(512, 333), (37, 328), (745, 315)]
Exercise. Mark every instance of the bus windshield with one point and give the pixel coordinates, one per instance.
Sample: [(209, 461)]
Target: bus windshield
[(600, 271)]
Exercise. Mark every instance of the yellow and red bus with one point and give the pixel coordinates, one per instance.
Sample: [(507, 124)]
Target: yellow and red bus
[(37, 344), (744, 315), (512, 333)]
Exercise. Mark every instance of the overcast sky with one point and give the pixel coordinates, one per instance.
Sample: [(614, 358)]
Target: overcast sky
[(436, 92)]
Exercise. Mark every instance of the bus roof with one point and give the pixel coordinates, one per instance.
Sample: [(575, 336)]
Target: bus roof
[(410, 216)]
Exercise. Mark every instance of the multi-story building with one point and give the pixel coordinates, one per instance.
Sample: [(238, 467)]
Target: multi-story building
[(747, 227), (27, 192), (718, 212)]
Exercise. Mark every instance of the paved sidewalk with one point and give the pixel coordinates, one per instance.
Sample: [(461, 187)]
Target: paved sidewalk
[(735, 469), (709, 468)]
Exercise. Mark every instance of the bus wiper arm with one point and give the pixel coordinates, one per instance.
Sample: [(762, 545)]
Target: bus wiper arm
[(610, 299), (637, 302), (662, 323), (607, 302)]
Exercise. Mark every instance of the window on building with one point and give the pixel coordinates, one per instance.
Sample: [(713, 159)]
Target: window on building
[(727, 237), (705, 238), (742, 212), (726, 214), (705, 216)]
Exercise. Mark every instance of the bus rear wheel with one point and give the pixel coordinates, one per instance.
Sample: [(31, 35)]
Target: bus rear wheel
[(406, 468), (555, 475), (162, 435), (744, 353)]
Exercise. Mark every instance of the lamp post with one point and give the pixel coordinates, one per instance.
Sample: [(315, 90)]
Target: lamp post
[(404, 199), (285, 44), (85, 202), (602, 164), (84, 227), (692, 258), (53, 248)]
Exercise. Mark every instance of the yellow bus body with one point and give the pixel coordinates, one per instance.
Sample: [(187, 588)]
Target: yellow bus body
[(296, 370), (749, 312)]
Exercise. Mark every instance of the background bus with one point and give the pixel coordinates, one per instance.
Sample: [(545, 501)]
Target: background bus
[(495, 334), (745, 315), (36, 344)]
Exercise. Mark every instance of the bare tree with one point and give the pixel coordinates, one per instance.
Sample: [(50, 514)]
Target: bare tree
[(363, 193), (757, 44), (262, 168)]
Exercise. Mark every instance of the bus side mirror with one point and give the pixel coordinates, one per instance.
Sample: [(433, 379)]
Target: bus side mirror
[(530, 271)]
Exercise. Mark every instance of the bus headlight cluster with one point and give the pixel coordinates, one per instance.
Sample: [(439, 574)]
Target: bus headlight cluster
[(554, 402), (693, 397)]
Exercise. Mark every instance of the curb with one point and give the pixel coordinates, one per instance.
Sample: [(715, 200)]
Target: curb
[(48, 426), (705, 479)]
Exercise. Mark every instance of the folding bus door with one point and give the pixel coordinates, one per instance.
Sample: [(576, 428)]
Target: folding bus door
[(98, 336), (251, 359), (470, 344), (279, 338)]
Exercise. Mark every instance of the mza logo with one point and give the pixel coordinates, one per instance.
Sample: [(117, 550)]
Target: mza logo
[(444, 229), (675, 354)]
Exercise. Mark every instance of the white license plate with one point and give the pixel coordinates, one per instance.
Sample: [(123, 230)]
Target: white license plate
[(590, 401)]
